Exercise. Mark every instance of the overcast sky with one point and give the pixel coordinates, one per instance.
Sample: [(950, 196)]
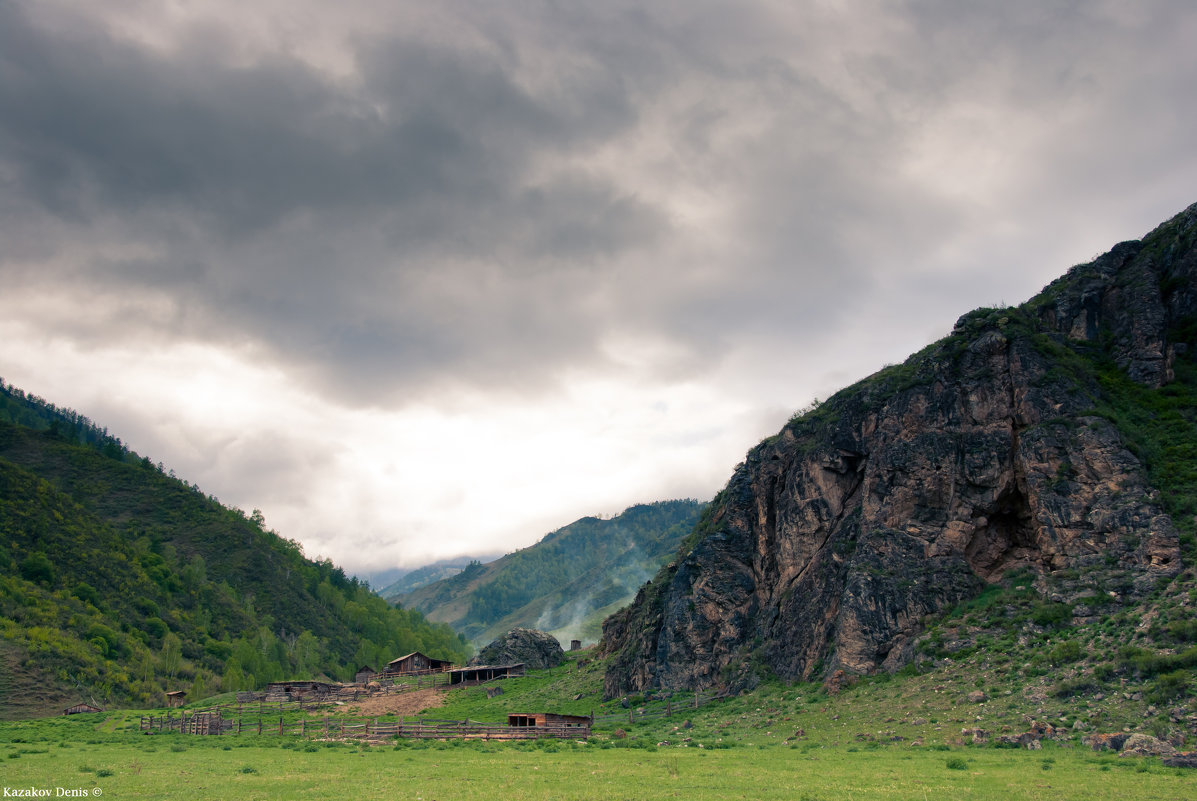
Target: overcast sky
[(421, 279)]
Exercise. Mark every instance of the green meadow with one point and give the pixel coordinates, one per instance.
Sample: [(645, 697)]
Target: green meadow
[(896, 738), (170, 766)]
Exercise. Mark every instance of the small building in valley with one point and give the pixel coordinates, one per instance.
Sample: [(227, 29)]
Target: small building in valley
[(81, 709), (416, 662), (547, 719), (176, 698), (364, 674)]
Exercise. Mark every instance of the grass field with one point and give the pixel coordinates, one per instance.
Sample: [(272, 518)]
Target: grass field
[(172, 767), (881, 739)]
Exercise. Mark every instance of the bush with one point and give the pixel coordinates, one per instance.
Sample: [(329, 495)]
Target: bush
[(38, 569), (1052, 615), (1065, 653), (1077, 686), (87, 593), (956, 763), (1182, 630), (1169, 686)]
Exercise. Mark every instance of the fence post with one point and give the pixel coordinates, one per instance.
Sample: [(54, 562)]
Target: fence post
[(302, 727), (280, 724), (668, 707)]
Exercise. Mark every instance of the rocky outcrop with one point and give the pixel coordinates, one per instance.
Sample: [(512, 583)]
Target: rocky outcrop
[(1146, 745), (1112, 741), (1183, 759), (534, 649), (908, 492)]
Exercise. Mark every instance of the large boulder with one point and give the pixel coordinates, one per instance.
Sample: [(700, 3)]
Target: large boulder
[(535, 649), (1146, 745), (1112, 741)]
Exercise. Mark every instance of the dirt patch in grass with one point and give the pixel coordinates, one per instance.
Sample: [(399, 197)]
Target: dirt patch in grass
[(411, 703)]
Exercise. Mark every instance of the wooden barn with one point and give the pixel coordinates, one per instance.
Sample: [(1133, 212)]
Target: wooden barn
[(81, 709), (416, 662), (176, 698), (364, 674), (480, 673), (548, 719)]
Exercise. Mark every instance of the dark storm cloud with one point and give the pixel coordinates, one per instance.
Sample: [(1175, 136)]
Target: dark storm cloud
[(349, 228), (460, 211), (243, 146)]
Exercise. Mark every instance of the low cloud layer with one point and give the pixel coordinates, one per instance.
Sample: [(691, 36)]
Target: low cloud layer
[(438, 280)]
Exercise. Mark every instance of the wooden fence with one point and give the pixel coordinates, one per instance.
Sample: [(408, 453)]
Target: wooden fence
[(359, 728)]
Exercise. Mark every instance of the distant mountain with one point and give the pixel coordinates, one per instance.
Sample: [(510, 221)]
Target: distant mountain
[(566, 583), (1049, 447), (407, 581), (118, 581)]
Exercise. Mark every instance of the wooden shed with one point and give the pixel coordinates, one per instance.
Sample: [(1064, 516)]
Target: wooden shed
[(547, 719), (298, 690), (364, 674), (80, 709), (480, 673), (176, 698), (416, 662)]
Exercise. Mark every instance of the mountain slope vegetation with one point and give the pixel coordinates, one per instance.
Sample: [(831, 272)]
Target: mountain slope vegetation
[(118, 581), (564, 584)]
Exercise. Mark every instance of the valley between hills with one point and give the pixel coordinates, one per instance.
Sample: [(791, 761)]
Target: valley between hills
[(972, 572)]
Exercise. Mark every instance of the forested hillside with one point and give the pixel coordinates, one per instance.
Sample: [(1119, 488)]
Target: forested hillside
[(567, 582), (118, 581)]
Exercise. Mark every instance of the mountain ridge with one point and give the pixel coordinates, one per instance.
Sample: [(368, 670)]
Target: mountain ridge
[(565, 583)]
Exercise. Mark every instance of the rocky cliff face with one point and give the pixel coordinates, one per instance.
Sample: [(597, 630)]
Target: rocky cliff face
[(906, 493)]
